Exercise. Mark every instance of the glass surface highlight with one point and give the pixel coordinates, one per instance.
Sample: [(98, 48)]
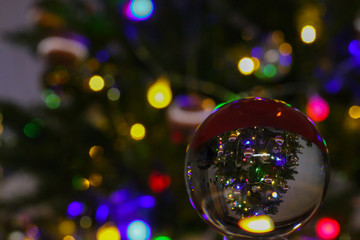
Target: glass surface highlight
[(254, 173)]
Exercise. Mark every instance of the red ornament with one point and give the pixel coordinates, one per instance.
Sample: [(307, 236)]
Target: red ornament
[(159, 182), (327, 228)]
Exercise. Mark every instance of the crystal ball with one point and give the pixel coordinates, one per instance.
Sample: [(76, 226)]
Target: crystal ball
[(256, 169)]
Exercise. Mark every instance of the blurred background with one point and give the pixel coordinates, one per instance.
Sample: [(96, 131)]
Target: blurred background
[(99, 99)]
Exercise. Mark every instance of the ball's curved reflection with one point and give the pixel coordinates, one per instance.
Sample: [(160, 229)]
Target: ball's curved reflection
[(256, 182)]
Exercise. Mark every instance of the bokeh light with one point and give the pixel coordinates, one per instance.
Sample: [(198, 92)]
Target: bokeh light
[(354, 47), (108, 232), (138, 230), (75, 209), (96, 83), (102, 55), (113, 94), (66, 227), (327, 228), (32, 231), (96, 151), (102, 213), (159, 182), (51, 99), (33, 129), (147, 201), (285, 49), (354, 112), (162, 238), (85, 222), (95, 180), (137, 131), (80, 183), (246, 66), (308, 34), (317, 108), (257, 224), (159, 94), (68, 237), (334, 85), (270, 70), (139, 9)]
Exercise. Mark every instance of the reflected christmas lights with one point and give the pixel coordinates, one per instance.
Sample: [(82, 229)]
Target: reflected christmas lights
[(257, 224)]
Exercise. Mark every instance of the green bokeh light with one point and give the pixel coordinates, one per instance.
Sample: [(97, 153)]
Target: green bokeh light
[(33, 129), (270, 70), (162, 238)]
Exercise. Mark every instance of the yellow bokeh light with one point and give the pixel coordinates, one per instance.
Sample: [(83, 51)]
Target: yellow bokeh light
[(354, 112), (137, 131), (159, 94), (246, 66), (285, 49), (96, 83), (256, 63), (208, 104), (96, 151), (83, 184), (85, 222), (68, 237), (308, 34), (257, 224), (66, 227), (108, 232), (95, 180)]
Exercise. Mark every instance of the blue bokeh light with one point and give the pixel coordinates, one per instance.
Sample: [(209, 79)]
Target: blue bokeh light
[(102, 213), (285, 60), (354, 48), (139, 9), (257, 52), (75, 209), (138, 230), (102, 56), (334, 85), (147, 201)]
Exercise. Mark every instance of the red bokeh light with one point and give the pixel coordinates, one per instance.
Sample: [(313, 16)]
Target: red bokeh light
[(317, 109), (327, 228), (159, 182)]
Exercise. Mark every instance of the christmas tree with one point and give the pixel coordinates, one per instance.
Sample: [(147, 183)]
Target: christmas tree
[(124, 87)]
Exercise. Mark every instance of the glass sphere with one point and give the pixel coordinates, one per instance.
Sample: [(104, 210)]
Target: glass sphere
[(256, 169)]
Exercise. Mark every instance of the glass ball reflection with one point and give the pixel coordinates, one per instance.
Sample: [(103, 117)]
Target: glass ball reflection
[(256, 168)]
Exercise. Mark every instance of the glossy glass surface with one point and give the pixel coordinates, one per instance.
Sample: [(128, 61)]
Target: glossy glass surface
[(256, 182)]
